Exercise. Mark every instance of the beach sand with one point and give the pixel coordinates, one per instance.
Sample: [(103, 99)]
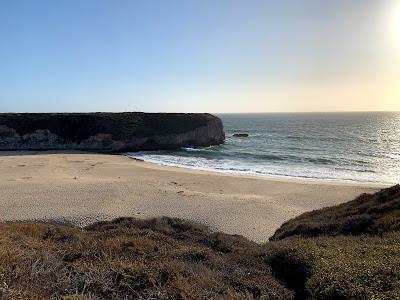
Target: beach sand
[(82, 188)]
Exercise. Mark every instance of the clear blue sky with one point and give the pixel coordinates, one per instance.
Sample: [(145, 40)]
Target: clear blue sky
[(204, 55)]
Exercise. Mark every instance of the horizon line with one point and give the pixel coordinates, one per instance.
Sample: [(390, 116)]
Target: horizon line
[(247, 112)]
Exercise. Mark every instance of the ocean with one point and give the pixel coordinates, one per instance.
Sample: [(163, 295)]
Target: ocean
[(354, 147)]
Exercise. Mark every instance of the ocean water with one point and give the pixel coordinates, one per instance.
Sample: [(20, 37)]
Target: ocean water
[(360, 147)]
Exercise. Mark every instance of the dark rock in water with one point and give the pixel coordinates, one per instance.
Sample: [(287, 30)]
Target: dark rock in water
[(240, 135), (108, 132)]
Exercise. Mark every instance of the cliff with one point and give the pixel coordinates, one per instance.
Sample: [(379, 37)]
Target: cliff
[(108, 132)]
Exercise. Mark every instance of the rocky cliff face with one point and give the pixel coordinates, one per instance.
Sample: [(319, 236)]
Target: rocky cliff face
[(108, 132)]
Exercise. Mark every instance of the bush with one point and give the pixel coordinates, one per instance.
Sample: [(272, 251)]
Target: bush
[(343, 267), (160, 258)]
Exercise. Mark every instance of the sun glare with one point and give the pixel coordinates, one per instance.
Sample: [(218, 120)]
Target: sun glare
[(394, 24)]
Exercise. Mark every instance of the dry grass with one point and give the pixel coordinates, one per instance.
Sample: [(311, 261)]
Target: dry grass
[(343, 267), (131, 259), (168, 258), (349, 251), (367, 214)]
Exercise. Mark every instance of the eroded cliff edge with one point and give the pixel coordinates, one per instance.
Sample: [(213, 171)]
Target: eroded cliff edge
[(108, 132)]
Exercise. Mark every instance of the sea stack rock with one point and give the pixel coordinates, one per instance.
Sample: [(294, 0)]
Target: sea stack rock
[(240, 135), (108, 132)]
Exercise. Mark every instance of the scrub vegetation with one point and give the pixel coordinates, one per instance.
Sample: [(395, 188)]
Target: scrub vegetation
[(367, 214), (78, 127), (318, 255)]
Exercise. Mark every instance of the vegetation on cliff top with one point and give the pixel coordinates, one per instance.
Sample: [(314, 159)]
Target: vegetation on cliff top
[(168, 258), (77, 127)]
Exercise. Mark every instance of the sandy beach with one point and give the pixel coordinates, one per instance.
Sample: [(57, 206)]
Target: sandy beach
[(82, 188)]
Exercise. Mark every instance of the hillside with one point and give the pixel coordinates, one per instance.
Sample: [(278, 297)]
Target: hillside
[(340, 267), (367, 214), (166, 258), (131, 259), (348, 251)]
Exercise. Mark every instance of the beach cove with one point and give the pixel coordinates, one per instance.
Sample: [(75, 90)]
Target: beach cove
[(80, 188)]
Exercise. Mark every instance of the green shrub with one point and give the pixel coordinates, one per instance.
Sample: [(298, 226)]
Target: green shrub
[(362, 267)]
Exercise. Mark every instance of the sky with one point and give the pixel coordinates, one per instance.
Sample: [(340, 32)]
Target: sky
[(199, 56)]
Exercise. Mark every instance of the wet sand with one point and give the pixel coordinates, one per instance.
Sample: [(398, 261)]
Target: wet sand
[(82, 188)]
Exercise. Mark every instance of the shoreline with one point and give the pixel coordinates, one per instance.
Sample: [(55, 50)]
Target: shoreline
[(282, 178), (82, 188)]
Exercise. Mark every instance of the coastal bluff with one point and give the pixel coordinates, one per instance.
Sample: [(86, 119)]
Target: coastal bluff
[(108, 132)]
